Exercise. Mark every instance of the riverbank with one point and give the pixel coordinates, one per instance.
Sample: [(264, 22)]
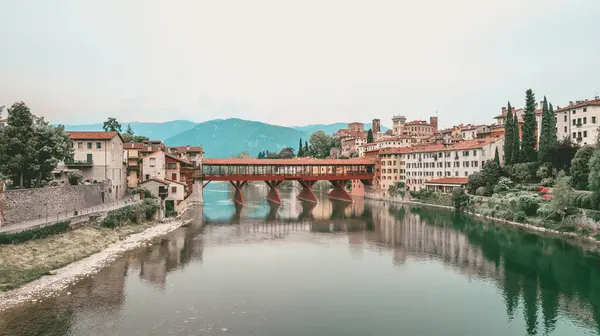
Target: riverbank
[(398, 200), (45, 267)]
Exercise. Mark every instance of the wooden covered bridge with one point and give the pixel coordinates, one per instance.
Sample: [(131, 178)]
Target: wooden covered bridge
[(273, 172)]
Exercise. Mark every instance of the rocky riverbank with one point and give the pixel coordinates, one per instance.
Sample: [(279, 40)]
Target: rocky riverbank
[(83, 251)]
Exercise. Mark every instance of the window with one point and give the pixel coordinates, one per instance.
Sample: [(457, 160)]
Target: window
[(147, 177), (475, 163), (474, 153), (89, 145), (565, 118), (584, 120), (80, 145), (579, 121), (89, 157), (585, 134), (98, 145), (152, 162), (593, 120), (174, 176), (574, 122), (171, 165), (456, 173), (174, 189), (585, 109), (574, 111), (466, 173), (466, 153), (565, 129), (574, 135), (579, 134)]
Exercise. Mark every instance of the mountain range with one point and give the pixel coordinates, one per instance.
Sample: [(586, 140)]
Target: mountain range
[(224, 137)]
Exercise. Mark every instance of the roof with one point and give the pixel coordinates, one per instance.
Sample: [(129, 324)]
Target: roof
[(3, 120), (92, 135), (449, 180), (287, 162), (595, 102), (185, 149), (417, 122), (165, 181), (178, 159), (141, 146), (463, 145)]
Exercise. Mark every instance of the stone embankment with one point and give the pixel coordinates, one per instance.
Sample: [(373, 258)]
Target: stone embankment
[(62, 278)]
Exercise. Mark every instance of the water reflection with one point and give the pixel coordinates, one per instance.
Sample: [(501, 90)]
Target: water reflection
[(544, 285)]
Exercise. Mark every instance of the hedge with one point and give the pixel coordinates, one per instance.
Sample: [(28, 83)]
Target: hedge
[(38, 233), (134, 213)]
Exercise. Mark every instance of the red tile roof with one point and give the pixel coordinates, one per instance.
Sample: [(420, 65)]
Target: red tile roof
[(449, 180), (165, 181), (92, 135), (185, 149), (287, 162), (463, 145), (177, 158), (595, 102)]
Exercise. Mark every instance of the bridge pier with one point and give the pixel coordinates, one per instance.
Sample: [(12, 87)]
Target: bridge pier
[(339, 191), (307, 193), (197, 196), (273, 195), (237, 196)]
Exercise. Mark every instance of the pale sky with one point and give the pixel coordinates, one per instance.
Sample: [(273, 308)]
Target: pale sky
[(294, 62)]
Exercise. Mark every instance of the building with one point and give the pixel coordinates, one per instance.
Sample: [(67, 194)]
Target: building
[(446, 184), (421, 128), (3, 123), (398, 122), (352, 137), (387, 142), (418, 164), (165, 166), (136, 151), (579, 121), (519, 112), (101, 158), (189, 153), (177, 191), (373, 155)]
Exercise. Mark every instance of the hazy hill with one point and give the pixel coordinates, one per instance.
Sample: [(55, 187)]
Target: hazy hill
[(227, 137), (153, 130), (330, 128)]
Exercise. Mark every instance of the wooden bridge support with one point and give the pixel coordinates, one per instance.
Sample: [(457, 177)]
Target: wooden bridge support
[(307, 193), (273, 195), (339, 191), (238, 197)]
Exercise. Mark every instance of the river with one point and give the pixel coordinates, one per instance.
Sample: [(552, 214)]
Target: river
[(367, 268)]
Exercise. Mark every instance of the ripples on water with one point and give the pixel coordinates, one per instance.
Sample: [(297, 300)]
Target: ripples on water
[(330, 269)]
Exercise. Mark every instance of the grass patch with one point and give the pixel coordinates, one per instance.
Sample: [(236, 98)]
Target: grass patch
[(38, 233)]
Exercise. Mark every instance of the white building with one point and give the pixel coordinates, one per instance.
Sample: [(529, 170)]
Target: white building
[(176, 190), (579, 121), (418, 164), (153, 165), (101, 158), (387, 142)]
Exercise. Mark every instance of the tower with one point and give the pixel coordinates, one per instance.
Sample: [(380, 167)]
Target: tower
[(376, 126), (398, 122), (433, 121)]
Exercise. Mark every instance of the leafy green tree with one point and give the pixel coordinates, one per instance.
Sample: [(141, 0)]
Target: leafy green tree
[(529, 138), (563, 154), (460, 199), (562, 194), (75, 177), (17, 144), (286, 153), (321, 143), (370, 136), (111, 125), (594, 177), (476, 180), (491, 174), (547, 140), (508, 136), (580, 168), (516, 141), (497, 157), (300, 149), (51, 146)]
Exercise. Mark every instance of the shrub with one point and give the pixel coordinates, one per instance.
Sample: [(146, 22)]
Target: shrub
[(460, 199), (74, 177), (481, 191), (522, 172), (476, 181), (132, 213), (593, 214), (504, 184), (584, 200), (547, 182), (543, 172), (147, 193), (521, 217), (39, 233), (528, 205), (171, 213)]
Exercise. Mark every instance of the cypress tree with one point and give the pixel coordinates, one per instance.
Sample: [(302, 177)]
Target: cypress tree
[(370, 136), (553, 142), (516, 141), (300, 149), (545, 145), (306, 151), (508, 136), (529, 138), (497, 157)]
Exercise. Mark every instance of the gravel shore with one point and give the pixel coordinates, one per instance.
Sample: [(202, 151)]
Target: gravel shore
[(53, 285)]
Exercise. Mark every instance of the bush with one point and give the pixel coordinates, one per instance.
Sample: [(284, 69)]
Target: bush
[(146, 192), (460, 199), (481, 191), (593, 214), (547, 182), (74, 177), (522, 172), (39, 233), (543, 172), (504, 184), (133, 213), (584, 200), (476, 181), (521, 217), (528, 205), (171, 213)]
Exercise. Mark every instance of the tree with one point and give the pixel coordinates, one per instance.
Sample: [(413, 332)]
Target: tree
[(300, 149), (497, 157), (260, 155), (1, 110), (286, 153), (594, 177), (306, 152), (516, 141), (51, 146), (562, 195), (321, 143), (491, 174), (580, 168), (460, 199), (508, 136), (129, 130), (563, 154), (17, 144), (529, 138), (74, 177), (370, 136), (547, 140), (476, 180), (111, 125), (243, 155)]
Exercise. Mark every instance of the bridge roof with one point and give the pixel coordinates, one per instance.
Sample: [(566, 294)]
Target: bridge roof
[(287, 162)]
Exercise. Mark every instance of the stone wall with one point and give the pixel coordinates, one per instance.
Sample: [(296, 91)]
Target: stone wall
[(31, 204)]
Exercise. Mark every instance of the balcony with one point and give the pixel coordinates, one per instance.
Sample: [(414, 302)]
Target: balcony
[(79, 163)]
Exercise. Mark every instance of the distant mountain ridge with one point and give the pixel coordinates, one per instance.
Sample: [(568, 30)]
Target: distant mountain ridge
[(224, 137)]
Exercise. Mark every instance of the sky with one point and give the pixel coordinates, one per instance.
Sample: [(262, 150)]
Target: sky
[(294, 62)]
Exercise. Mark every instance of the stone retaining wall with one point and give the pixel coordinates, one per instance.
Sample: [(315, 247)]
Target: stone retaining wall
[(31, 204)]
